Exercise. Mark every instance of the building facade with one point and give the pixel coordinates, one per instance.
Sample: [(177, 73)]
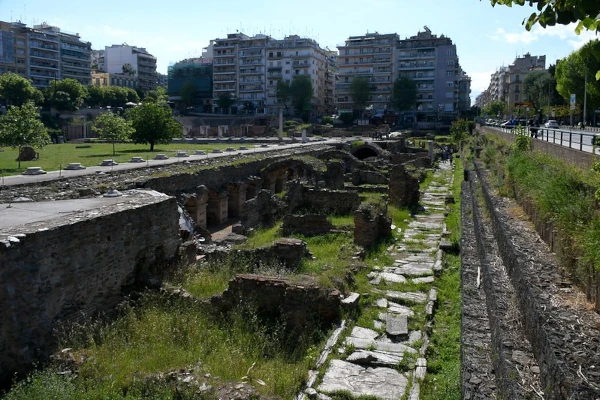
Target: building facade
[(142, 63), (13, 48), (432, 62), (44, 53), (507, 83), (372, 56), (108, 79), (197, 71), (443, 88), (247, 68)]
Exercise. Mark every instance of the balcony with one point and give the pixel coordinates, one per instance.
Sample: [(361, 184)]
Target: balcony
[(217, 71), (42, 73), (251, 88), (254, 71), (46, 38), (74, 56), (224, 89), (44, 56), (251, 54), (356, 71), (44, 46), (224, 54), (224, 62), (43, 65), (224, 79)]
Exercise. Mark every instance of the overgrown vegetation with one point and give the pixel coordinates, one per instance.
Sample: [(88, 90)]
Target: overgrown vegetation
[(563, 195), (443, 355)]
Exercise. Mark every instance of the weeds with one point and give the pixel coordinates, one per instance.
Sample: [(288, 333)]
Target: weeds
[(443, 355)]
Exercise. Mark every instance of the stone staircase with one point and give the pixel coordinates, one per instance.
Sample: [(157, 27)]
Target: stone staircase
[(370, 359)]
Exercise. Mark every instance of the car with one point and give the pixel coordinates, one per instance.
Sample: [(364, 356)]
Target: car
[(509, 124), (551, 124)]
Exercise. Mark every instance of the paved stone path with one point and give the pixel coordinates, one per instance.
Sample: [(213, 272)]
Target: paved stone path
[(366, 363)]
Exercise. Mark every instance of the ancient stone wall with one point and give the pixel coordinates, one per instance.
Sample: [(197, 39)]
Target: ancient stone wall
[(370, 227), (75, 266), (312, 224), (404, 188), (362, 177), (332, 201), (303, 304)]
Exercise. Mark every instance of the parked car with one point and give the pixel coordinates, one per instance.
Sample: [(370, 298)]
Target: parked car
[(551, 124), (510, 123)]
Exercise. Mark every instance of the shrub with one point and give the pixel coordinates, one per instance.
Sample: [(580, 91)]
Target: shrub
[(347, 118)]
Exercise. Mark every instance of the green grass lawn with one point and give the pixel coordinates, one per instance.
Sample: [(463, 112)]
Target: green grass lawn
[(54, 156)]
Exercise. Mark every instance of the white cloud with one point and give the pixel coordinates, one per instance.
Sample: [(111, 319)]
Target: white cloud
[(562, 32), (514, 37)]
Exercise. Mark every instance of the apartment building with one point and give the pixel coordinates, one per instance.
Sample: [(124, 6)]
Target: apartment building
[(373, 56), (296, 56), (199, 72), (247, 68), (443, 88), (13, 48), (44, 53), (507, 84), (140, 60), (98, 61)]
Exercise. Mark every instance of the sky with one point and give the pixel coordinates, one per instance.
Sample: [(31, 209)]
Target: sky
[(486, 37)]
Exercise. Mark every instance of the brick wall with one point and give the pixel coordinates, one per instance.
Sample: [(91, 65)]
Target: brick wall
[(65, 268)]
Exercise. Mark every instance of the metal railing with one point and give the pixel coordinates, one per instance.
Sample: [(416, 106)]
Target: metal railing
[(573, 138)]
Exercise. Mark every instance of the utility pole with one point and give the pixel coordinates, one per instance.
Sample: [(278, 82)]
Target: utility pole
[(584, 100)]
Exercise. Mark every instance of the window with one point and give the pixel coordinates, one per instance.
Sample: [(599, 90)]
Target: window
[(449, 95), (346, 61), (97, 81), (345, 79), (297, 72), (450, 63), (270, 63), (278, 54), (449, 73), (270, 54), (360, 60), (287, 63), (287, 71), (449, 84), (516, 97)]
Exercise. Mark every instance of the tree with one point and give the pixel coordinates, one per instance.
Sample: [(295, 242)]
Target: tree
[(360, 91), (66, 94), (153, 124), (18, 90), (113, 128), (552, 12), (404, 93), (283, 92), (571, 71), (537, 88), (495, 108), (225, 101), (132, 95), (188, 93), (301, 92), (95, 96), (128, 69), (158, 95), (21, 126)]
